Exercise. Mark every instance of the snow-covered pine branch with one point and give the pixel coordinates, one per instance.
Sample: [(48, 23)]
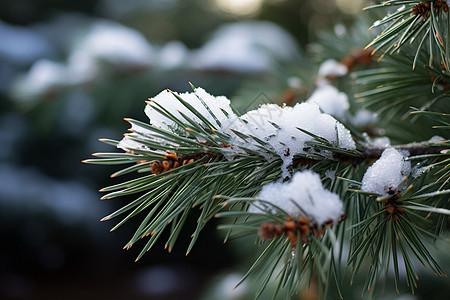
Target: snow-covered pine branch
[(270, 127)]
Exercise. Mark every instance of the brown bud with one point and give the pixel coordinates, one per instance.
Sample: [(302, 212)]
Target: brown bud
[(292, 235), (165, 165), (390, 209), (341, 219), (278, 229), (267, 231), (397, 196), (289, 225), (304, 230), (303, 220), (156, 167), (171, 155)]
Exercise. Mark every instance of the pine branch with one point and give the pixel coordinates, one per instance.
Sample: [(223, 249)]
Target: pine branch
[(293, 251), (197, 155), (414, 21), (393, 87), (368, 154)]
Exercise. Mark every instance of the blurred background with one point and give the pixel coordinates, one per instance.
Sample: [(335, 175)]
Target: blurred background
[(69, 72)]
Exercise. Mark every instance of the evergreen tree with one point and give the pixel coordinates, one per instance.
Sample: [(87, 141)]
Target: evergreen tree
[(340, 186)]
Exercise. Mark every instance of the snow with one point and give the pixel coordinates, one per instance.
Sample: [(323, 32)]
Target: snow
[(127, 144), (364, 118), (330, 101), (387, 173), (284, 137), (103, 42), (416, 172), (245, 47), (172, 55), (273, 124), (294, 82), (436, 139), (331, 174), (304, 194), (168, 100), (109, 41), (43, 77), (380, 142), (331, 67)]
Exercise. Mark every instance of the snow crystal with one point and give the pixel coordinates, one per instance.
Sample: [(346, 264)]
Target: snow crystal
[(387, 173), (330, 101), (330, 67), (304, 194)]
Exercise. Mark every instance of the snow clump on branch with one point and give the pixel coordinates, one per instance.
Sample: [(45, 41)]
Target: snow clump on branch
[(331, 67), (330, 101), (386, 175), (278, 126), (200, 100), (269, 130), (304, 195)]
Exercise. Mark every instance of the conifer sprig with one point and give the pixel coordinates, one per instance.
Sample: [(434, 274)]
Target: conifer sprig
[(399, 225), (290, 260), (392, 88), (197, 165), (414, 22)]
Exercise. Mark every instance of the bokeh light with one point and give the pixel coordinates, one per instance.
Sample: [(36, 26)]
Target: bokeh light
[(351, 6), (239, 7)]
